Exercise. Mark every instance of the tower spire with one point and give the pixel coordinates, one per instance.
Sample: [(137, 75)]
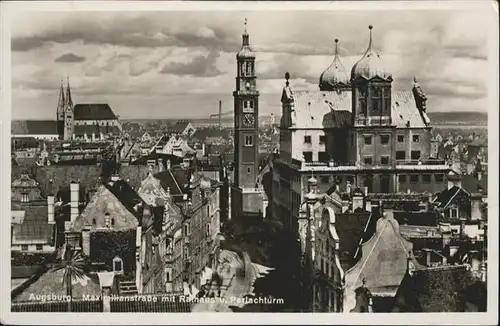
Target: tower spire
[(245, 35), (61, 102), (371, 42), (69, 100), (336, 47)]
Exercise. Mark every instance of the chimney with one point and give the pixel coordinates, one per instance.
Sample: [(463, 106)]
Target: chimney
[(368, 206), (74, 198), (115, 177), (337, 188), (169, 164), (462, 227), (348, 187), (427, 257), (345, 206), (366, 191), (86, 240), (161, 167), (357, 202), (203, 149), (479, 175), (50, 209)]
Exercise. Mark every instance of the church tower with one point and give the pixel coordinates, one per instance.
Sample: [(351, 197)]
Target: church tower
[(69, 117), (60, 112), (246, 114), (247, 196)]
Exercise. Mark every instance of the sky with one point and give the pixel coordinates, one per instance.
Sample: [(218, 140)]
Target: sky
[(180, 64)]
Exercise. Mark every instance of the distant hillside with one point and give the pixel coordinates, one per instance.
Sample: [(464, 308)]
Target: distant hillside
[(473, 118)]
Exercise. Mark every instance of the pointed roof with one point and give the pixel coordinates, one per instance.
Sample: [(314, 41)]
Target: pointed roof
[(69, 100), (370, 65), (245, 52), (62, 101), (335, 75)]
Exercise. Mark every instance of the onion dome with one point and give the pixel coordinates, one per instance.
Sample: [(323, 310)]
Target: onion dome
[(335, 75), (245, 52), (370, 65)]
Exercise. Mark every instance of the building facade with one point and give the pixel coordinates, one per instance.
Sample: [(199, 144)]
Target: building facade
[(356, 130)]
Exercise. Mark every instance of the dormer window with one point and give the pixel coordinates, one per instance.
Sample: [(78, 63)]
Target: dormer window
[(117, 265), (453, 212), (107, 220)]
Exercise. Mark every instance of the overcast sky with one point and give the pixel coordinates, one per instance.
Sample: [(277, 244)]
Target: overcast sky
[(179, 64)]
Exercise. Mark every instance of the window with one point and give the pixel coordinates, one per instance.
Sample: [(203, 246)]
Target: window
[(39, 247), (414, 178), (368, 140), (186, 252), (208, 232), (186, 229), (384, 160), (401, 139), (307, 139), (400, 155), (368, 160), (454, 212), (117, 265), (426, 178), (248, 140), (249, 170), (168, 276), (112, 222), (415, 155), (308, 156), (439, 177), (384, 139), (24, 197), (94, 221), (416, 138), (24, 247), (402, 178), (322, 139), (322, 157), (248, 104)]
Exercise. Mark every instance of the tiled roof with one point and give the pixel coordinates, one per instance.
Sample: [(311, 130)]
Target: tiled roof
[(472, 185), (125, 194), (350, 228), (446, 195), (109, 199), (93, 112), (34, 127), (180, 126), (25, 271), (314, 109), (89, 130), (61, 175), (435, 289), (37, 232), (51, 283), (35, 212), (416, 218), (168, 180), (383, 262)]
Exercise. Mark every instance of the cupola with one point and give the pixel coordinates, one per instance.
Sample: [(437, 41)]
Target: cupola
[(245, 52), (336, 75), (370, 65)]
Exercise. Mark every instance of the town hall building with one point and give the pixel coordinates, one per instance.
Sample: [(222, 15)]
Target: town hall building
[(356, 131)]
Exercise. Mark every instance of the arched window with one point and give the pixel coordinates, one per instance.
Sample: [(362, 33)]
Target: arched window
[(117, 265), (112, 222), (94, 222)]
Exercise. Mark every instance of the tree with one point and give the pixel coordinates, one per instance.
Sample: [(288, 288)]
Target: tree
[(74, 265)]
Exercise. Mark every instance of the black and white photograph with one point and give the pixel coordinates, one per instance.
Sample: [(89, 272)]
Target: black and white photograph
[(320, 159)]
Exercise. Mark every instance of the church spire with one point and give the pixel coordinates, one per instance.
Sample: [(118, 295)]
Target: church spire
[(61, 103), (245, 52), (69, 100)]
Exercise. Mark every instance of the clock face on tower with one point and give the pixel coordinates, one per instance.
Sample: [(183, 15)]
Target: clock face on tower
[(249, 120)]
